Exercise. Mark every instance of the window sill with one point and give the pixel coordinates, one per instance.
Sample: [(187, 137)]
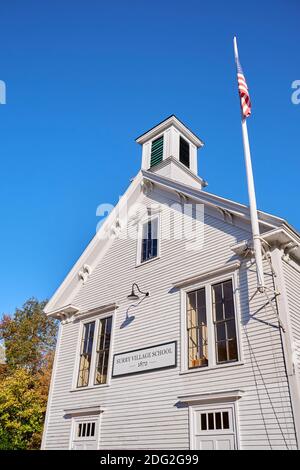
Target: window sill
[(216, 367), (91, 387), (147, 262)]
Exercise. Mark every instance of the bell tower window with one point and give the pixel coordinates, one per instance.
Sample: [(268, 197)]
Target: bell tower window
[(184, 152)]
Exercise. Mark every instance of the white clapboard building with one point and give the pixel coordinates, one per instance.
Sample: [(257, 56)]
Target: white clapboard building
[(164, 341)]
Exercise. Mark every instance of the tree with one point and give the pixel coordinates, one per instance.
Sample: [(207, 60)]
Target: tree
[(22, 410), (29, 337)]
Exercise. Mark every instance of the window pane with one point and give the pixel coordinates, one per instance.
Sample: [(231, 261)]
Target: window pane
[(217, 290), (225, 420), (232, 349), (228, 293), (86, 354), (203, 422), (219, 311), (230, 326), (93, 430), (218, 421), (229, 309), (103, 347), (197, 329), (221, 351), (221, 332), (211, 421)]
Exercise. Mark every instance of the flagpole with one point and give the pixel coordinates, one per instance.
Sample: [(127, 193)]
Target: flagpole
[(252, 198)]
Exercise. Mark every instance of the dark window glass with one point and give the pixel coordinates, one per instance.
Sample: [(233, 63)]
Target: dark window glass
[(86, 354), (184, 152), (203, 422), (211, 421), (197, 329), (225, 420), (102, 351), (149, 240), (224, 321), (93, 429), (218, 421)]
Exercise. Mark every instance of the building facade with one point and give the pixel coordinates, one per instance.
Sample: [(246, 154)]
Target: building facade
[(164, 341)]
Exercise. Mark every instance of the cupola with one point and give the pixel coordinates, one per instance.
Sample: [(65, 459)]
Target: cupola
[(170, 149)]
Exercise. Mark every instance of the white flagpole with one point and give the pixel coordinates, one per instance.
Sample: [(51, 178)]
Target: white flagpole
[(252, 198)]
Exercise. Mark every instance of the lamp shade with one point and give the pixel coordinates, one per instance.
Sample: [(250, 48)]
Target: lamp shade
[(133, 296)]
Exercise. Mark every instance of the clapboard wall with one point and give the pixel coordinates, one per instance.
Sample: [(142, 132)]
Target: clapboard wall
[(292, 281), (141, 411)]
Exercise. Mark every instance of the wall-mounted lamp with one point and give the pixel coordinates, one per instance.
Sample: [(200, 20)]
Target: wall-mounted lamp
[(133, 296)]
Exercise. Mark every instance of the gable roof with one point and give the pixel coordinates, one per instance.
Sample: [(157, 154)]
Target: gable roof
[(107, 233), (170, 120)]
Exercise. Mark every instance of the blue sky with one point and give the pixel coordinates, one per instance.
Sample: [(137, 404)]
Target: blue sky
[(84, 78)]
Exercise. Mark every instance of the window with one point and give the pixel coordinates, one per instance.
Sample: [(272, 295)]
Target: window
[(214, 420), (184, 152), (224, 322), (149, 241), (197, 329), (95, 352), (102, 351), (209, 330), (157, 149), (86, 354), (86, 429)]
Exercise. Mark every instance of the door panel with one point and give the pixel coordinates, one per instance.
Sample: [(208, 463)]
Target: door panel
[(214, 443)]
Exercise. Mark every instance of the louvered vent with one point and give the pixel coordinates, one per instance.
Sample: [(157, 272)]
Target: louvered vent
[(157, 151)]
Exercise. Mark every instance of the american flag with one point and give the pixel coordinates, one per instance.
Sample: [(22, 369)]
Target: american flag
[(243, 90)]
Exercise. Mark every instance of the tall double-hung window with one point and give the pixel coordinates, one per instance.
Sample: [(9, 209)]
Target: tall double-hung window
[(211, 332), (94, 356), (149, 240)]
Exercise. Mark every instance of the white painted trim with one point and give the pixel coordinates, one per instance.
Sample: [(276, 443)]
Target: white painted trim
[(51, 388), (164, 125), (95, 311), (209, 199), (221, 270), (87, 411), (212, 397)]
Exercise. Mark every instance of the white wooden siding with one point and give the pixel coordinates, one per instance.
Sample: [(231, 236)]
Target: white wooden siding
[(292, 281), (143, 411)]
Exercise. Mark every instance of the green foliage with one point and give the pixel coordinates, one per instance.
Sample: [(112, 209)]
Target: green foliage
[(22, 411), (29, 338)]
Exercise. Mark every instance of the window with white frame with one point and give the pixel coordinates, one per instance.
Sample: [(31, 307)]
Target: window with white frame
[(210, 325), (86, 354), (95, 352), (224, 322), (148, 241)]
